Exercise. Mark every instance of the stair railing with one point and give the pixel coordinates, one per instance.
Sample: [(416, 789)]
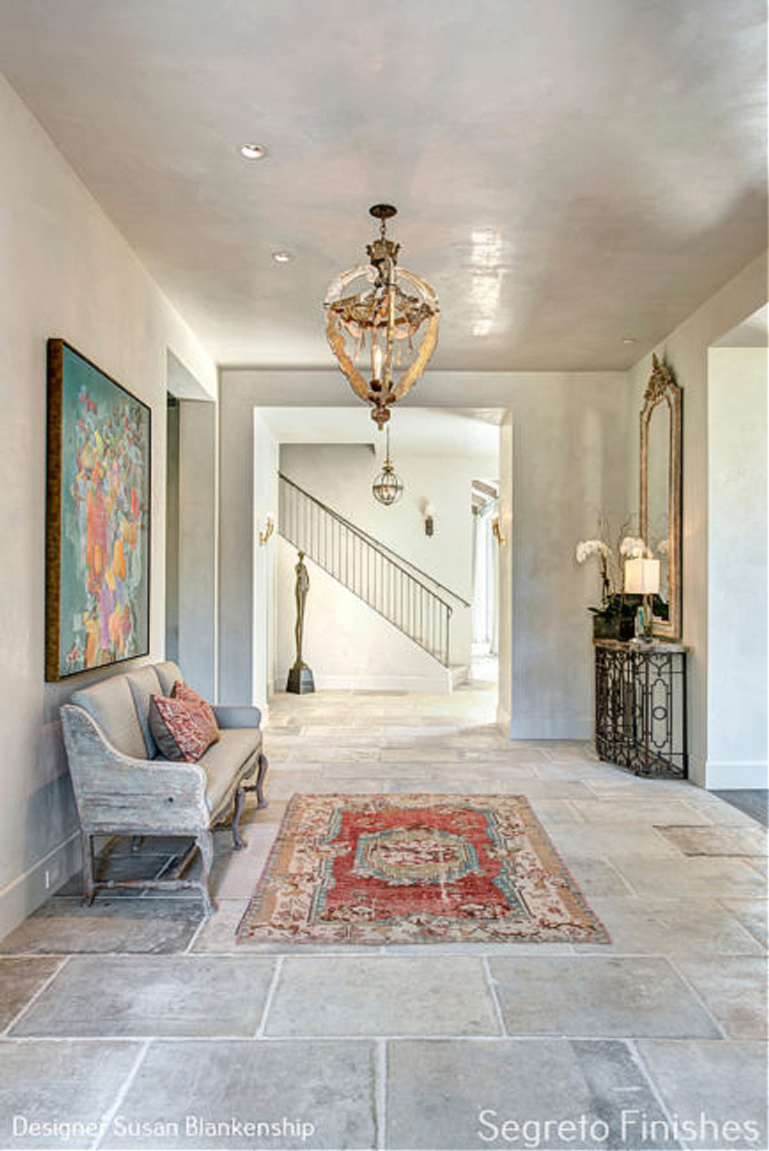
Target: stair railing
[(390, 585)]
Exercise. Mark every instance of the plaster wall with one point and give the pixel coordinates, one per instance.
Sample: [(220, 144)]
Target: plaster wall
[(64, 271), (505, 651), (737, 571), (685, 350), (341, 475), (568, 442), (262, 601), (347, 645), (197, 567)]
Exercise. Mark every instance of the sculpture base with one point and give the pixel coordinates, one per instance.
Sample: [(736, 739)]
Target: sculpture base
[(300, 681)]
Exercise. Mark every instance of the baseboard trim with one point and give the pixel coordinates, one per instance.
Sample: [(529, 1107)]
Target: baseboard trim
[(27, 891), (432, 685), (735, 775), (551, 727)]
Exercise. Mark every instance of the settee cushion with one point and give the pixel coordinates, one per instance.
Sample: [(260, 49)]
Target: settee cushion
[(223, 761), (168, 673), (110, 703), (144, 684)]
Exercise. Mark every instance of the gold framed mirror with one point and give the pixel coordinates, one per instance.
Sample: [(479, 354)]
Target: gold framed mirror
[(660, 491)]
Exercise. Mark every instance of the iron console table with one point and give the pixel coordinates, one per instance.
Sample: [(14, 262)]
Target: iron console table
[(640, 706)]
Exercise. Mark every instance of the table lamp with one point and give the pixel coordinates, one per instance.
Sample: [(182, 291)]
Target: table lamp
[(642, 577)]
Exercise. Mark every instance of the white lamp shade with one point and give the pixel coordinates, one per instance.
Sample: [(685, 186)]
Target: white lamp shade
[(642, 577)]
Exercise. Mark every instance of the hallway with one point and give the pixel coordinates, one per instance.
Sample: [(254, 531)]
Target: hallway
[(162, 1018)]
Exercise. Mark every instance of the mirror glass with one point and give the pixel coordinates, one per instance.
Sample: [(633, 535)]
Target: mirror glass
[(659, 480), (660, 493)]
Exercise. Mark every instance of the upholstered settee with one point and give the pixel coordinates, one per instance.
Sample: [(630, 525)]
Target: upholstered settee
[(122, 787)]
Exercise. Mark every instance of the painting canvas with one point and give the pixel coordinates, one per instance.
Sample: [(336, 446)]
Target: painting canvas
[(98, 529)]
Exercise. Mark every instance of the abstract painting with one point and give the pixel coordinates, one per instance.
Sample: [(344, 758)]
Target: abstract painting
[(98, 518)]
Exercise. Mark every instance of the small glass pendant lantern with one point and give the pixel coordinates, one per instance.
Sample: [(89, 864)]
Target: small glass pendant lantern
[(387, 487)]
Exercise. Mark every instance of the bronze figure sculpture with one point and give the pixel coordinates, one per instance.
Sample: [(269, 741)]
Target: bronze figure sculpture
[(300, 678)]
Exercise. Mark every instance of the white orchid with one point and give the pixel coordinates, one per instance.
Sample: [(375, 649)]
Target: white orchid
[(588, 548), (633, 548)]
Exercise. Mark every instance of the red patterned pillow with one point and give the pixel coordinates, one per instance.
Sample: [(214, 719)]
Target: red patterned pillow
[(182, 691), (180, 729)]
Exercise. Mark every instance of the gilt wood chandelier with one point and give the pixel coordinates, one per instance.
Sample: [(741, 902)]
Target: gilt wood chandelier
[(392, 318)]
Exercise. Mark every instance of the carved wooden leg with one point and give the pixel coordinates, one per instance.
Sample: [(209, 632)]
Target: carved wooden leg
[(263, 765), (89, 889), (205, 842), (237, 839)]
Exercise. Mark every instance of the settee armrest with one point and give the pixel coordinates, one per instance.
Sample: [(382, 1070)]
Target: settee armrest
[(237, 716), (114, 791)]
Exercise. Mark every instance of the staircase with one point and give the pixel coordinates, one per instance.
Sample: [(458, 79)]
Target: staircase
[(414, 602)]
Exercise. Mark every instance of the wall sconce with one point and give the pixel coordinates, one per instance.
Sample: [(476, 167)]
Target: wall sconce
[(497, 532), (269, 528), (429, 513)]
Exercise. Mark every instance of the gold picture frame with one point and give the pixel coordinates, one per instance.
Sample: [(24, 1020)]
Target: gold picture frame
[(662, 389)]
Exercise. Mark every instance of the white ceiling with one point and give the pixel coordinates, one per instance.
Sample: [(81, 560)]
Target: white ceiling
[(568, 172), (422, 431)]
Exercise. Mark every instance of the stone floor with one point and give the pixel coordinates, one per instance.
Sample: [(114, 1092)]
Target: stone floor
[(139, 1017)]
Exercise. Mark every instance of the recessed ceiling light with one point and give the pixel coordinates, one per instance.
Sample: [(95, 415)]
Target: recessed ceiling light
[(253, 151), (282, 257), (629, 340)]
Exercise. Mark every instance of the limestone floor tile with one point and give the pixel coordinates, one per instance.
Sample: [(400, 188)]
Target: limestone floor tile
[(466, 769), (282, 788), (189, 995), (239, 873), (597, 876), (20, 979), (712, 1083), (634, 840), (752, 914), (322, 751), (474, 950), (478, 785), (622, 780), (597, 995), (716, 840), (396, 734), (332, 784), (666, 926), (70, 1082), (111, 924), (575, 769), (716, 810), (692, 876), (457, 1094), (734, 989), (556, 811), (422, 755), (141, 864), (382, 995), (647, 812), (327, 1086), (217, 933), (553, 789)]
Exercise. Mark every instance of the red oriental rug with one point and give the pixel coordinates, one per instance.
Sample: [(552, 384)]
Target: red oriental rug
[(416, 869)]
